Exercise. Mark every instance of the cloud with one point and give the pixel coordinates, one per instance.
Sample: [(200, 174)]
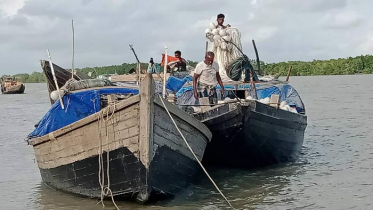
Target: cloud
[(346, 19), (298, 6), (11, 7), (283, 30)]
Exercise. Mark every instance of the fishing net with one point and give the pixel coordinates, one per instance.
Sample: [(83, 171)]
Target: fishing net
[(237, 67), (72, 85), (226, 45)]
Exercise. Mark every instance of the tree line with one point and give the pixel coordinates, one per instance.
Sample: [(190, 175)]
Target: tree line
[(352, 65)]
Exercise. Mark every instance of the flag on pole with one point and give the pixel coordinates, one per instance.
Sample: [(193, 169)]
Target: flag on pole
[(170, 60)]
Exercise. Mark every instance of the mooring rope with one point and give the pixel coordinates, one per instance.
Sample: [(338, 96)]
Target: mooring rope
[(195, 156), (105, 191)]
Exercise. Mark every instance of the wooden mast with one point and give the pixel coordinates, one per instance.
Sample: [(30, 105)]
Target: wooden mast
[(289, 72), (72, 63)]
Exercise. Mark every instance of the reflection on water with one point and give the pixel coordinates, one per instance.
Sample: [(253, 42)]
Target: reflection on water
[(244, 189), (334, 171)]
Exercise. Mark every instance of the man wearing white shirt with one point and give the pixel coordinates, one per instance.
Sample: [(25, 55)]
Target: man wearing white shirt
[(205, 79)]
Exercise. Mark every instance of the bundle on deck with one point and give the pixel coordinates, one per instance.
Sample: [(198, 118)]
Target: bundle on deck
[(72, 85), (238, 66)]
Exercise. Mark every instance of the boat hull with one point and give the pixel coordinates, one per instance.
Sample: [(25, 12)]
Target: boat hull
[(255, 135), (18, 89), (82, 177), (140, 145), (170, 172)]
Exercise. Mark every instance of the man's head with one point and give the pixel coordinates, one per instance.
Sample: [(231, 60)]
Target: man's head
[(220, 19), (177, 54), (209, 58)]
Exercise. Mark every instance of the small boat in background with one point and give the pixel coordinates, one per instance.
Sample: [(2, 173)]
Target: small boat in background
[(12, 85)]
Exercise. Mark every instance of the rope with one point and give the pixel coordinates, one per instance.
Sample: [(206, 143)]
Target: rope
[(105, 191), (195, 156)]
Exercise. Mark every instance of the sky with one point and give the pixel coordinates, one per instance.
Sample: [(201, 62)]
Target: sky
[(284, 30)]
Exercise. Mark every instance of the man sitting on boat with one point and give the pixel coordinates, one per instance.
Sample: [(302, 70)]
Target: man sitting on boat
[(178, 63), (206, 77)]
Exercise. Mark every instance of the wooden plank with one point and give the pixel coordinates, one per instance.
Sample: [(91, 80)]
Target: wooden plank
[(147, 91), (185, 117), (166, 134), (84, 142)]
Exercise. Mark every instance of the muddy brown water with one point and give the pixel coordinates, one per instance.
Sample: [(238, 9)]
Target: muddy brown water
[(334, 172)]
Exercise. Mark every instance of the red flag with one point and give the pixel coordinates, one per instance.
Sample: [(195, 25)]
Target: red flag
[(169, 59)]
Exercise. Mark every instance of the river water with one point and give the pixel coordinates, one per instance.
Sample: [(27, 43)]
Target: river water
[(334, 172)]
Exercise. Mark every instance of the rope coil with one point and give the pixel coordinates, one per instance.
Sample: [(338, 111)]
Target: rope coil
[(105, 190)]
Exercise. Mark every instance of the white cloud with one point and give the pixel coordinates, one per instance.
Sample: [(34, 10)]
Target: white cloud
[(345, 19), (11, 7), (366, 47)]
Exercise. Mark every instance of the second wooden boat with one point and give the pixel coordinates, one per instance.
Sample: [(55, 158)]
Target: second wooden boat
[(250, 133)]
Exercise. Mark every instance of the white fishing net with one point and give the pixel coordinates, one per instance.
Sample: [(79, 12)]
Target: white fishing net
[(222, 44)]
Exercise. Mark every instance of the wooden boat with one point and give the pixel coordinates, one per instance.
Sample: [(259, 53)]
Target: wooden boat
[(139, 144), (248, 133), (12, 85), (62, 75)]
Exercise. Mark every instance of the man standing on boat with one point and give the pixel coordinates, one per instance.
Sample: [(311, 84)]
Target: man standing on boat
[(220, 19), (206, 77)]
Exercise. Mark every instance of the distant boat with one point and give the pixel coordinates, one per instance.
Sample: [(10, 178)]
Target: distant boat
[(12, 85), (252, 133), (118, 140)]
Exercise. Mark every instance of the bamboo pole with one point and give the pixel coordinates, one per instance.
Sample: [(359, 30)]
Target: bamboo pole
[(289, 72), (138, 73), (257, 57), (165, 71), (72, 63), (207, 47), (55, 79)]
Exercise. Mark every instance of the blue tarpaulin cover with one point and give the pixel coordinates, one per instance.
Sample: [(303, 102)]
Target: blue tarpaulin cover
[(174, 83), (77, 106), (287, 93)]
